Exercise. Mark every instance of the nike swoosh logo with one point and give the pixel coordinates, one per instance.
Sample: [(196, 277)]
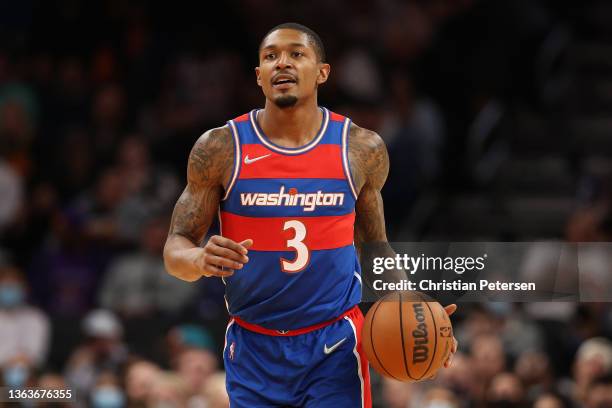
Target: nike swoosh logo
[(329, 350), (253, 160)]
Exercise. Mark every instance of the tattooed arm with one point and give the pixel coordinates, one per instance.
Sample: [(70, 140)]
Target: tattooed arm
[(370, 166), (208, 171)]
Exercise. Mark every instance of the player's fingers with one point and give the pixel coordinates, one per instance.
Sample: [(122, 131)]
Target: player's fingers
[(220, 261), (449, 360), (450, 309), (455, 345), (228, 243), (247, 243), (227, 253), (212, 270)]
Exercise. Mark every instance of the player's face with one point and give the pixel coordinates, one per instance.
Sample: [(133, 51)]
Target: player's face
[(289, 70)]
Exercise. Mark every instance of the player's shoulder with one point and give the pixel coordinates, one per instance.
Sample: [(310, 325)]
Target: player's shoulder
[(368, 157), (365, 140), (212, 156), (214, 138)]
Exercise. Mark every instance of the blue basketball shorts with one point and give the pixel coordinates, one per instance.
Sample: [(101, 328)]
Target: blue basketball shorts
[(320, 366)]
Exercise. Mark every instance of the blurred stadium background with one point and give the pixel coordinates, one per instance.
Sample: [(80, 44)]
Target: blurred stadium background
[(497, 119)]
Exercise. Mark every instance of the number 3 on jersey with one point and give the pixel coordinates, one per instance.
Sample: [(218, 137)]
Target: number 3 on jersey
[(302, 255)]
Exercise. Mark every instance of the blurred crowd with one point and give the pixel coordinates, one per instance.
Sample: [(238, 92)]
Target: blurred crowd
[(511, 355), (103, 369), (100, 103)]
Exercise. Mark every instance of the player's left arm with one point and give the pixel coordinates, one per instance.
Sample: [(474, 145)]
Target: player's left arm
[(369, 162)]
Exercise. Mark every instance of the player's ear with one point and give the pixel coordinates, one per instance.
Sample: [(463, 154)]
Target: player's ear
[(323, 73), (257, 75)]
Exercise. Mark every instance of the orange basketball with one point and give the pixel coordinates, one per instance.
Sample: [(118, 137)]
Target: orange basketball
[(407, 336)]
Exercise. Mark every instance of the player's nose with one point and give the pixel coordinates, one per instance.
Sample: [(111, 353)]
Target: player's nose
[(283, 61)]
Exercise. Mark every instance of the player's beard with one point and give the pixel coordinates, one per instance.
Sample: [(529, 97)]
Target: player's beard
[(286, 101)]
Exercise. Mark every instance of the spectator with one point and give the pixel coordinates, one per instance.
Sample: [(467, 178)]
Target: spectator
[(18, 119), (53, 381), (534, 371), (551, 400), (397, 394), (186, 337), (488, 358), (18, 373), (506, 390), (600, 393), (66, 271), (11, 191), (73, 163), (107, 392), (440, 397), (195, 367), (99, 211), (140, 378), (108, 120), (25, 329), (518, 333), (479, 322), (460, 378), (70, 99), (593, 359), (102, 350), (149, 189), (214, 392), (169, 390), (137, 284)]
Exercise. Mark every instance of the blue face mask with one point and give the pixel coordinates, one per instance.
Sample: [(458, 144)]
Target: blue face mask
[(11, 295), (107, 397), (15, 376)]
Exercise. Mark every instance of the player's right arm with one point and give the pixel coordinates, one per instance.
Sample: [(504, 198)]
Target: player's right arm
[(208, 172)]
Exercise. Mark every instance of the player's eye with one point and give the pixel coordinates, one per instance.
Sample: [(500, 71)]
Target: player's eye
[(297, 54), (269, 56)]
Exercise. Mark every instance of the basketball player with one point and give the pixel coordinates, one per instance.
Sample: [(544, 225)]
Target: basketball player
[(294, 185)]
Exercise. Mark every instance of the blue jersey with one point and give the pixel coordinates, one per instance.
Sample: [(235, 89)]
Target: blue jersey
[(298, 206)]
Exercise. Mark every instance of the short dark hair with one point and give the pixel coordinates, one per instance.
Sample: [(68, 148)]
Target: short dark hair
[(313, 37)]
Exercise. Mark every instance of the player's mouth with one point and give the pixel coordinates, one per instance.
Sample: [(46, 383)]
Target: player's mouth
[(283, 81)]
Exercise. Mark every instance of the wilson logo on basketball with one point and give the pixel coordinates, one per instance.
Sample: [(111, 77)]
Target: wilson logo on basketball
[(420, 351)]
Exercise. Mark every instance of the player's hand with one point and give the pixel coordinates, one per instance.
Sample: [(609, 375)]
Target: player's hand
[(450, 309), (221, 256)]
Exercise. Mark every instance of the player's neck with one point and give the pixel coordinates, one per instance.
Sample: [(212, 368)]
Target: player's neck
[(290, 127)]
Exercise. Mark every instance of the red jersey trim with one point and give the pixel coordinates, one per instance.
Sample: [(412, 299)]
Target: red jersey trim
[(336, 117), (242, 118)]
